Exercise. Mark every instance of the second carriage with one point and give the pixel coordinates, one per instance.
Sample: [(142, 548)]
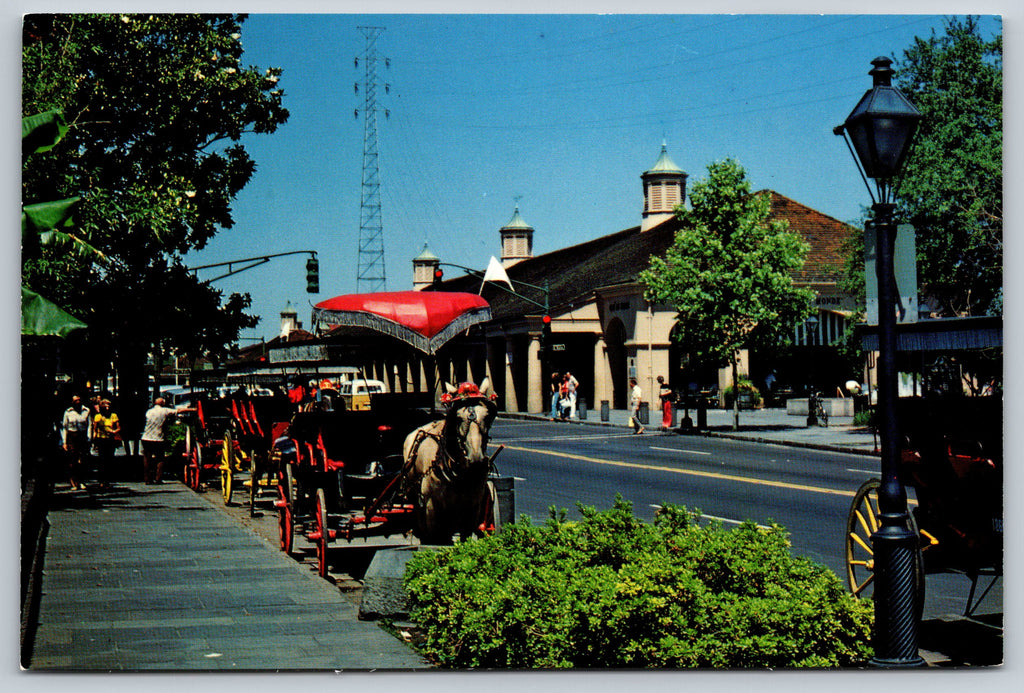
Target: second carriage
[(349, 473)]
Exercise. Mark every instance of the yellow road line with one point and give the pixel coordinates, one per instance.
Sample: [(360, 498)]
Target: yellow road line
[(693, 472)]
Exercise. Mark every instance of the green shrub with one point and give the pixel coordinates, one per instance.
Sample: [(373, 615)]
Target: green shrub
[(865, 417), (746, 387), (612, 591)]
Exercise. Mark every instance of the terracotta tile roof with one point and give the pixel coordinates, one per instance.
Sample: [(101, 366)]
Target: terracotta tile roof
[(824, 234), (574, 273)]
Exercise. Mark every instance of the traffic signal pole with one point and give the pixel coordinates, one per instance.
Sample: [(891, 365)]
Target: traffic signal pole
[(312, 267)]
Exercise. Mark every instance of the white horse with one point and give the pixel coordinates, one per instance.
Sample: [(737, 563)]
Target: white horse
[(446, 465)]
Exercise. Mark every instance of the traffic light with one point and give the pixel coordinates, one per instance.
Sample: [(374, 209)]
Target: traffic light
[(438, 276), (545, 337), (312, 276)]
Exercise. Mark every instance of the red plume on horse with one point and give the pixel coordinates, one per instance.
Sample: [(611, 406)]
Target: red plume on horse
[(446, 465)]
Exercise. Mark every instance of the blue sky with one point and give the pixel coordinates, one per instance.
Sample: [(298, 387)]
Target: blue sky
[(560, 112)]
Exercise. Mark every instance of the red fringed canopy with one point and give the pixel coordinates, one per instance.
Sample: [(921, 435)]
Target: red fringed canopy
[(425, 319)]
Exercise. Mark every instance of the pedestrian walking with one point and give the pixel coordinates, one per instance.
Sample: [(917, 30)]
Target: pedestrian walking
[(106, 432), (666, 395), (635, 396), (75, 440), (573, 387), (154, 443), (556, 386)]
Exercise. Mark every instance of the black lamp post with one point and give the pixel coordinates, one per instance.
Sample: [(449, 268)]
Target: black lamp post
[(881, 129), (811, 328)]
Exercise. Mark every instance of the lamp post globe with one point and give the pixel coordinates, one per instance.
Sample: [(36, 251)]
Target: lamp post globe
[(879, 133)]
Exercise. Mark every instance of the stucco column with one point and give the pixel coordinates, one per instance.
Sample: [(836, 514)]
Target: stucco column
[(534, 377), (511, 401), (602, 374)]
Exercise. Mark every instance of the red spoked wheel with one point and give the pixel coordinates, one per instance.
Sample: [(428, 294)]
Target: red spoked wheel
[(193, 458), (323, 537), (285, 511)]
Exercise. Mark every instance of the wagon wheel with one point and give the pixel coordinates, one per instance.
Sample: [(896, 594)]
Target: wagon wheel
[(492, 515), (192, 459), (862, 522), (285, 515), (254, 481), (323, 532), (227, 455)]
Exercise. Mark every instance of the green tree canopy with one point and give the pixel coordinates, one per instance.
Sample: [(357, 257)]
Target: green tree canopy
[(155, 108), (729, 270), (952, 185)]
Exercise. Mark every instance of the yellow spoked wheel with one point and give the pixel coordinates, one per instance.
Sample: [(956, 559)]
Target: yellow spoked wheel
[(862, 522), (227, 458)]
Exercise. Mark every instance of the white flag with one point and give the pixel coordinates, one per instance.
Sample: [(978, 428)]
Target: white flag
[(496, 273)]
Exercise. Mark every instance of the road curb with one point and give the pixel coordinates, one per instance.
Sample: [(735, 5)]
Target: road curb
[(707, 434)]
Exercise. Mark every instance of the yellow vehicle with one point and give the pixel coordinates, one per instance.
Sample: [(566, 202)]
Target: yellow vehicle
[(356, 393)]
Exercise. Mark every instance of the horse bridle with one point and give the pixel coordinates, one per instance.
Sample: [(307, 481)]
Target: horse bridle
[(442, 463)]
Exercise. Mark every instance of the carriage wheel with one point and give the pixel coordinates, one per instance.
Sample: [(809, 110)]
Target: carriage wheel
[(324, 533), (254, 481), (227, 458), (862, 522), (192, 459), (492, 518), (285, 516)]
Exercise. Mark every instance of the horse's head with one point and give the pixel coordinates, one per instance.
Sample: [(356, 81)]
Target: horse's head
[(471, 410)]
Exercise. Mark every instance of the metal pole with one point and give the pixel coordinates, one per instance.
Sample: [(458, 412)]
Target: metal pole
[(895, 640)]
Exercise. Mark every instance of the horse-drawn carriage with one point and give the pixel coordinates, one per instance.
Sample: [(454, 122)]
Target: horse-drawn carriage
[(229, 438), (402, 465), (953, 459)]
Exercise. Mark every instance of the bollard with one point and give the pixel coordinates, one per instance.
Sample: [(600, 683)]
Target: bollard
[(505, 509), (702, 415), (645, 413), (581, 408), (605, 410)]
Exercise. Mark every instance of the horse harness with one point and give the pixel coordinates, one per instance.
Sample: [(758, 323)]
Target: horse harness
[(441, 465)]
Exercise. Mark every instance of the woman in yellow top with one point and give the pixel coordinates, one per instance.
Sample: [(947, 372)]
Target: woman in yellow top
[(106, 430)]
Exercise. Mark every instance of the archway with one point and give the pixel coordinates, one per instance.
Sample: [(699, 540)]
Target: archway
[(615, 341)]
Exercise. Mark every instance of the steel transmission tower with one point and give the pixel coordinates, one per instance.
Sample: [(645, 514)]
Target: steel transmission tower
[(370, 274)]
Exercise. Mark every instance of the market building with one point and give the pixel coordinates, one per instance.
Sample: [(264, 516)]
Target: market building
[(605, 332)]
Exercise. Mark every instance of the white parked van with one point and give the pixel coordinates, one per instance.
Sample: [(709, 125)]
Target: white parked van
[(356, 393)]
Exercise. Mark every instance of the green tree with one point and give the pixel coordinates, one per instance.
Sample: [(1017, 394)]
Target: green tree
[(156, 106), (729, 272), (952, 186)]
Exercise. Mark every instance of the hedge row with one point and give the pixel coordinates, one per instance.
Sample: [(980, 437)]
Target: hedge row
[(610, 590)]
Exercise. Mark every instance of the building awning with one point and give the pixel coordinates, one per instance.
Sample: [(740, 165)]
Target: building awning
[(945, 334)]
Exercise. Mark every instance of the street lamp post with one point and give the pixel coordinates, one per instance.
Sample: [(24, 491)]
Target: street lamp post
[(811, 327), (881, 129)]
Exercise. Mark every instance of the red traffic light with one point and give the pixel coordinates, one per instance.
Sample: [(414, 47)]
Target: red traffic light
[(546, 319)]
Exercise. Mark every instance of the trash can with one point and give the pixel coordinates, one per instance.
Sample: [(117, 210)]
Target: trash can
[(645, 413), (605, 410), (581, 408)]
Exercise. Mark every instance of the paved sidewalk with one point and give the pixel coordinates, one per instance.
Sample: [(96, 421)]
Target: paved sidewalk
[(154, 578), (760, 425)]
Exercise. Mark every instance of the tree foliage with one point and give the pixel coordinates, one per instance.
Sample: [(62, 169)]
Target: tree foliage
[(155, 107), (729, 271), (952, 185)]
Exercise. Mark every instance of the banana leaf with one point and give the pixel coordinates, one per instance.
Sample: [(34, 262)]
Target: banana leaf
[(42, 318)]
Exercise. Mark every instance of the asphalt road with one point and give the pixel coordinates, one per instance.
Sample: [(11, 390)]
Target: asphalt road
[(807, 491)]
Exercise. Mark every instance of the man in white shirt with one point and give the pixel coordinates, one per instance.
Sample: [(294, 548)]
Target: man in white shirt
[(635, 395), (154, 444), (74, 431)]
